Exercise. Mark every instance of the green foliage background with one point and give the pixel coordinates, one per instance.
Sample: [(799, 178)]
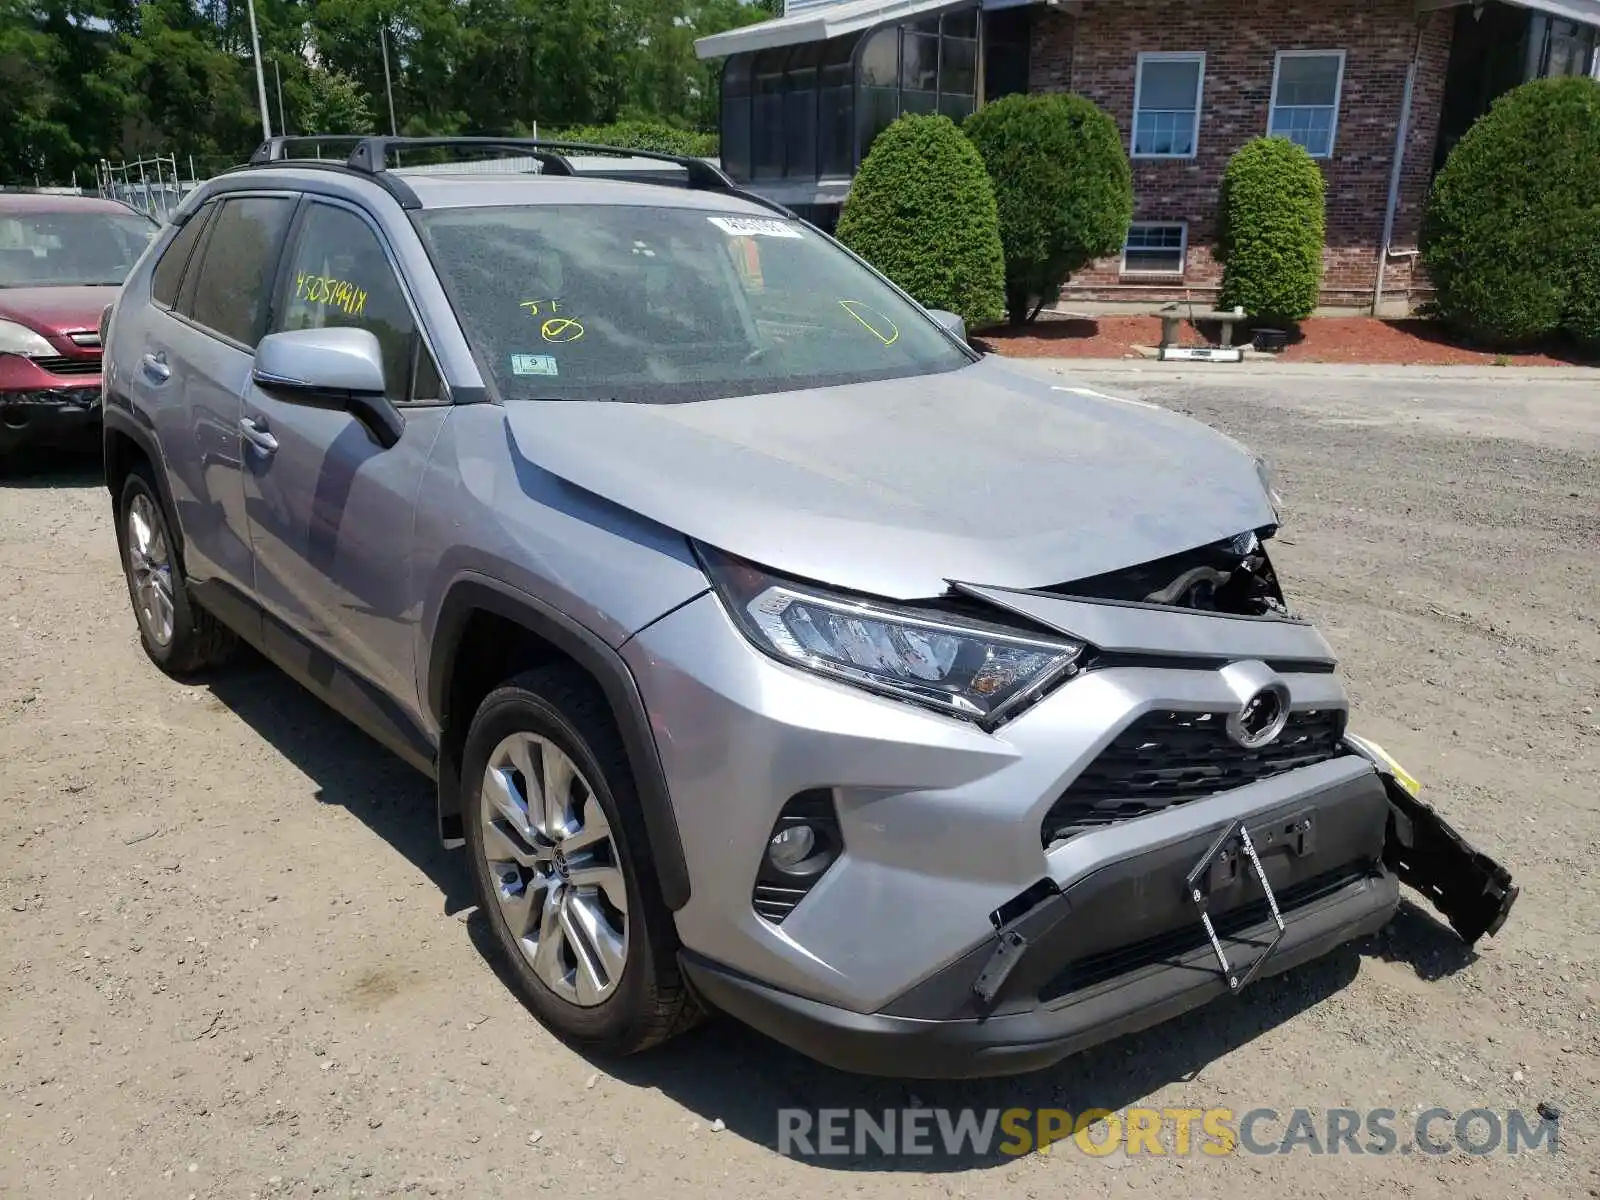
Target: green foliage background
[(1511, 239), (82, 80), (1063, 185), (923, 212)]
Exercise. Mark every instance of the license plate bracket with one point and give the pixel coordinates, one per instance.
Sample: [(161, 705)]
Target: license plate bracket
[(1236, 839)]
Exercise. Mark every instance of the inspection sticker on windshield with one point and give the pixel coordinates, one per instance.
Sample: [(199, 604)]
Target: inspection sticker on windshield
[(534, 364), (755, 227)]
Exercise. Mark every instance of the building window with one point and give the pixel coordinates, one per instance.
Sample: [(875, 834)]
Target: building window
[(1166, 105), (1557, 47), (1155, 249), (1305, 98)]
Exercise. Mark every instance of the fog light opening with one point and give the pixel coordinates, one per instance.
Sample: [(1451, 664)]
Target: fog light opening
[(791, 846)]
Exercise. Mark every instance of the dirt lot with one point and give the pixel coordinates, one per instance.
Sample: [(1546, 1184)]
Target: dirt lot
[(235, 964)]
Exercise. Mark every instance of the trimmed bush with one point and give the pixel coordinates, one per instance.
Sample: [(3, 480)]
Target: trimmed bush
[(1508, 236), (1063, 187), (1582, 318), (640, 135), (922, 211), (1272, 225)]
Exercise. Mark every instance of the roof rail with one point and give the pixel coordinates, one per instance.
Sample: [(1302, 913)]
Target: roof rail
[(276, 149), (372, 156)]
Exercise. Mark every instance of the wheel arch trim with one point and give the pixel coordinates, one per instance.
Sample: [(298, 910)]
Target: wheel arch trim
[(470, 593)]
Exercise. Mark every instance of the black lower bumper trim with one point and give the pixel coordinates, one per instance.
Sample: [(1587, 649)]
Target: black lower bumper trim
[(65, 416), (1014, 1043)]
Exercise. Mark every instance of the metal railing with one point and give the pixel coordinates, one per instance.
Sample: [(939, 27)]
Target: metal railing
[(151, 185)]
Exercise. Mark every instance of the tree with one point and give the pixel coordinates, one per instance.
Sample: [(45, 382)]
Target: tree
[(1272, 222), (332, 102), (1507, 238), (923, 212), (1063, 186)]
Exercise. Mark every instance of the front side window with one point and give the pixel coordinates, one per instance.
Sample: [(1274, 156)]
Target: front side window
[(339, 277), (68, 248), (233, 278), (655, 305), (1305, 98)]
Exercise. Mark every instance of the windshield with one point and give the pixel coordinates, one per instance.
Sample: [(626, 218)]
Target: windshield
[(665, 305), (49, 249)]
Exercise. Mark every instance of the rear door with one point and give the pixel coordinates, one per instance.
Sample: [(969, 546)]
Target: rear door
[(330, 509), (199, 356)]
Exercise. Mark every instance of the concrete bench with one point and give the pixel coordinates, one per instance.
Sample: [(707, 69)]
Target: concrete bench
[(1174, 314)]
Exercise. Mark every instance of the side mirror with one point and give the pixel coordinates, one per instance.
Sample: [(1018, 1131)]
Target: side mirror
[(339, 369), (950, 321)]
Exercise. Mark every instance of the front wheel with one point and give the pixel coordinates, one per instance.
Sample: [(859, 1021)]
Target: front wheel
[(562, 866)]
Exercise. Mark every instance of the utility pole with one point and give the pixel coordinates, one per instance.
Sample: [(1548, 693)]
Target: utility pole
[(261, 78), (283, 125), (388, 84)]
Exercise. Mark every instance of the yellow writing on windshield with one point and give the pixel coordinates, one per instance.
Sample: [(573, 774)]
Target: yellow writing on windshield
[(538, 307), (561, 329), (876, 323), (336, 293)]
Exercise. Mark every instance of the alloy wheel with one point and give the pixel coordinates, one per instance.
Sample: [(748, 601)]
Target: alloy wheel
[(554, 866), (150, 564)]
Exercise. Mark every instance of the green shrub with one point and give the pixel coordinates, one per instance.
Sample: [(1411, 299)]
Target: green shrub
[(639, 135), (1582, 318), (1270, 239), (922, 211), (1511, 218), (1063, 187)]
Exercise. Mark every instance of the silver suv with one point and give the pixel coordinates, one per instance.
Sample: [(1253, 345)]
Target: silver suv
[(774, 651)]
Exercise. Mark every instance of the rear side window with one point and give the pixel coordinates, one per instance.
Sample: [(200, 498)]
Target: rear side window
[(168, 274), (230, 295)]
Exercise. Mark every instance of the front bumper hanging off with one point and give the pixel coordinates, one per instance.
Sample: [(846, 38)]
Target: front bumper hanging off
[(1068, 969)]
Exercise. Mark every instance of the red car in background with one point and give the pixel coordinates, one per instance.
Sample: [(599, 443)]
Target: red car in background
[(62, 259)]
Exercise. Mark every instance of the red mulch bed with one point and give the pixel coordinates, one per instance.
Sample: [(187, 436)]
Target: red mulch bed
[(1321, 339)]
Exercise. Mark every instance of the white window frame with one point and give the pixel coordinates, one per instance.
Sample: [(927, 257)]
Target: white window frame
[(1338, 94), (1183, 250), (1194, 56)]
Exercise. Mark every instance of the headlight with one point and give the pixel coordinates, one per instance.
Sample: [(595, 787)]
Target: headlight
[(19, 339), (1269, 483), (960, 668)]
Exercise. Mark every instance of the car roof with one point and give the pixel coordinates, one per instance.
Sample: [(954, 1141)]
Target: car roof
[(43, 202)]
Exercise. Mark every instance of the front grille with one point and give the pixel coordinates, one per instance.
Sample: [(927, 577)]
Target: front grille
[(1166, 758), (69, 366)]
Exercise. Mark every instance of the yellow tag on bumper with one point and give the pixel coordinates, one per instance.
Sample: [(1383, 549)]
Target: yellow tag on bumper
[(1402, 776)]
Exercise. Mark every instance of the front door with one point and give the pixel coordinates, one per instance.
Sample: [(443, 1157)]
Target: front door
[(330, 510)]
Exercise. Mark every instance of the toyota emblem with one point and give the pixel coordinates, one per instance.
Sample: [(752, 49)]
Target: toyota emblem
[(1261, 718)]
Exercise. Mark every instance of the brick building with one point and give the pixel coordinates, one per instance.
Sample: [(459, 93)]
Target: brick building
[(1376, 90)]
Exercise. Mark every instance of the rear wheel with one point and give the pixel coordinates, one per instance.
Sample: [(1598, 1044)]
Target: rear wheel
[(179, 636), (562, 865)]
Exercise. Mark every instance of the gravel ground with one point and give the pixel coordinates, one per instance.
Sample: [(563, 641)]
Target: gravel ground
[(235, 963)]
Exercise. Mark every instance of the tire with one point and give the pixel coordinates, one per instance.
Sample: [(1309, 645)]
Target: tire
[(557, 877), (179, 636)]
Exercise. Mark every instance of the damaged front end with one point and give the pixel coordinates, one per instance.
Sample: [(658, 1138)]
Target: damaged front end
[(1468, 888), (1220, 607)]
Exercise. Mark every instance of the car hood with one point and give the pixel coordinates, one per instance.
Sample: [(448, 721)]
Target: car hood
[(895, 488), (56, 311)]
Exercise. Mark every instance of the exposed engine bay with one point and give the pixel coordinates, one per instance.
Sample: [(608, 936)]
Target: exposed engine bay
[(1231, 576)]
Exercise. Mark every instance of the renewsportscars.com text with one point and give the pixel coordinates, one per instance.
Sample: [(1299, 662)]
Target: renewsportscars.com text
[(968, 1132)]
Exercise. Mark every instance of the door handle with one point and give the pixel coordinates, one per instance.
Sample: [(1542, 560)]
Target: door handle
[(256, 434), (155, 366)]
